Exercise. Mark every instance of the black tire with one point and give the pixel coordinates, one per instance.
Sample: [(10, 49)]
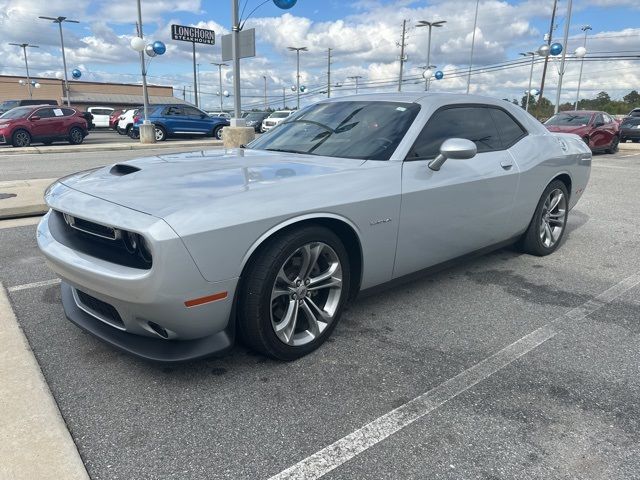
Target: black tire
[(76, 136), (255, 327), (217, 132), (586, 140), (613, 147), (531, 242), (134, 133), (21, 138)]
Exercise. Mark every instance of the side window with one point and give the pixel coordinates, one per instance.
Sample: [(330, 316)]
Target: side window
[(472, 123), (68, 112), (510, 131), (607, 119), (44, 113), (175, 110), (192, 111), (598, 119)]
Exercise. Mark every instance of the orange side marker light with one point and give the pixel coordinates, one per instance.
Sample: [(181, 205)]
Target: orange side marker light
[(208, 299)]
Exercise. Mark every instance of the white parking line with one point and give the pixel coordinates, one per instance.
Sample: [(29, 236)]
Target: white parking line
[(343, 450), (27, 286)]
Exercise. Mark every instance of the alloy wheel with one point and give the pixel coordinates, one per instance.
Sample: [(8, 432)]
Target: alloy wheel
[(306, 294), (553, 218), (76, 136), (159, 134), (22, 139)]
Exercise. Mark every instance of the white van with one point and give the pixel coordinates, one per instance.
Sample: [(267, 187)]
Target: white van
[(100, 115)]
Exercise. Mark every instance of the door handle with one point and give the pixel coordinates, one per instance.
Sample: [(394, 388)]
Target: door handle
[(506, 164)]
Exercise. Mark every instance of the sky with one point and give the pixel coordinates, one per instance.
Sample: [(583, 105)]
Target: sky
[(364, 36)]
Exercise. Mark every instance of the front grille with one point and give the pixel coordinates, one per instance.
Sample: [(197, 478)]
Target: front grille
[(101, 310), (269, 124)]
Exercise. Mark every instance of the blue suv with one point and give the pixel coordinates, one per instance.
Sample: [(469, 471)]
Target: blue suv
[(178, 120)]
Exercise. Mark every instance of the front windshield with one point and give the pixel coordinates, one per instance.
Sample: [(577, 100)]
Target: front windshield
[(366, 130), (570, 119), (8, 105), (21, 112)]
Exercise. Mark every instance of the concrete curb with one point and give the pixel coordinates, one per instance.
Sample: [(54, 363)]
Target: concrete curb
[(103, 147), (35, 441), (629, 146), (25, 198)]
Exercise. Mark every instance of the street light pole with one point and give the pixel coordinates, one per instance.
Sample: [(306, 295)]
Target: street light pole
[(356, 78), (26, 62), (567, 23), (473, 43), (265, 91), (235, 51), (424, 23), (585, 29), (220, 65), (329, 72), (533, 57), (59, 21), (298, 50), (144, 70)]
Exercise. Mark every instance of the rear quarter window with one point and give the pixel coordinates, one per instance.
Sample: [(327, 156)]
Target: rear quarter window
[(509, 129)]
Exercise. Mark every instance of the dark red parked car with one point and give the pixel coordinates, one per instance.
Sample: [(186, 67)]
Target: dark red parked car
[(114, 118), (22, 126), (598, 129)]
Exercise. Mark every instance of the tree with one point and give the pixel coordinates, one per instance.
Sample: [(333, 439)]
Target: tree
[(632, 98)]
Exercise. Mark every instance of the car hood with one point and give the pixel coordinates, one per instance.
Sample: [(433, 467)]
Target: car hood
[(163, 185), (567, 128)]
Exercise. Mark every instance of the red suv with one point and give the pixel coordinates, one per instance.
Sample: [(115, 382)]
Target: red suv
[(42, 123), (598, 130)]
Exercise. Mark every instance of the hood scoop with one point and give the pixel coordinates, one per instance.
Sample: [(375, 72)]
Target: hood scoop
[(122, 169)]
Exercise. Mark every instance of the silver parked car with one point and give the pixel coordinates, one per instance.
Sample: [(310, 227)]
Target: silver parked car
[(171, 257)]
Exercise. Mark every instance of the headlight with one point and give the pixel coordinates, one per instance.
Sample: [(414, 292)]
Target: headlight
[(136, 245)]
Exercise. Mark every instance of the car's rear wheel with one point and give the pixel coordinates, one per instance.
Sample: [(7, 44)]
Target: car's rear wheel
[(75, 136), (217, 133), (21, 138), (549, 221), (613, 147), (161, 134), (293, 293)]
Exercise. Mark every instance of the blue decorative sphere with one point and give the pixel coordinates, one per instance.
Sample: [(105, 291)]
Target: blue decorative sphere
[(439, 75), (556, 49), (284, 4), (159, 47), (75, 73)]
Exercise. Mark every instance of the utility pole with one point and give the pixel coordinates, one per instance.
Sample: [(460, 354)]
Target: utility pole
[(237, 120), (200, 92), (220, 65), (567, 22), (402, 45), (356, 78), (265, 91), (59, 21), (26, 62), (549, 40), (284, 102), (585, 29), (329, 72), (473, 43), (298, 50)]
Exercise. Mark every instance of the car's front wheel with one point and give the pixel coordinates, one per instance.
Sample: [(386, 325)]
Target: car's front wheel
[(21, 138), (549, 221), (293, 293), (76, 136)]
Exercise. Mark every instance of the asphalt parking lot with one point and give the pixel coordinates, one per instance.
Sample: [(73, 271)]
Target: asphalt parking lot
[(500, 367)]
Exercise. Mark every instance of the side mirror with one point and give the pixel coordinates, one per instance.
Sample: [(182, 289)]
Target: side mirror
[(33, 118), (454, 149)]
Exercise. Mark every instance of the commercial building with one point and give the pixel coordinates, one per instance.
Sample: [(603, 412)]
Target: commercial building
[(84, 94)]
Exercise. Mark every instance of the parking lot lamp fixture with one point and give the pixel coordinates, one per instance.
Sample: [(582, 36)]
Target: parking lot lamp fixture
[(430, 25), (59, 21), (298, 50), (533, 57), (580, 53), (24, 47)]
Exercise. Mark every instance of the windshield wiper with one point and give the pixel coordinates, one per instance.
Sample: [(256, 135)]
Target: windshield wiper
[(286, 150)]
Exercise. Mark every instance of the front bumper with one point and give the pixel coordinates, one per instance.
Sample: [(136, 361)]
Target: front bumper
[(143, 299), (630, 133)]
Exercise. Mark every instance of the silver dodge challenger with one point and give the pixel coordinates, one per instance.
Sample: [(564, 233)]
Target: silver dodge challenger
[(171, 257)]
